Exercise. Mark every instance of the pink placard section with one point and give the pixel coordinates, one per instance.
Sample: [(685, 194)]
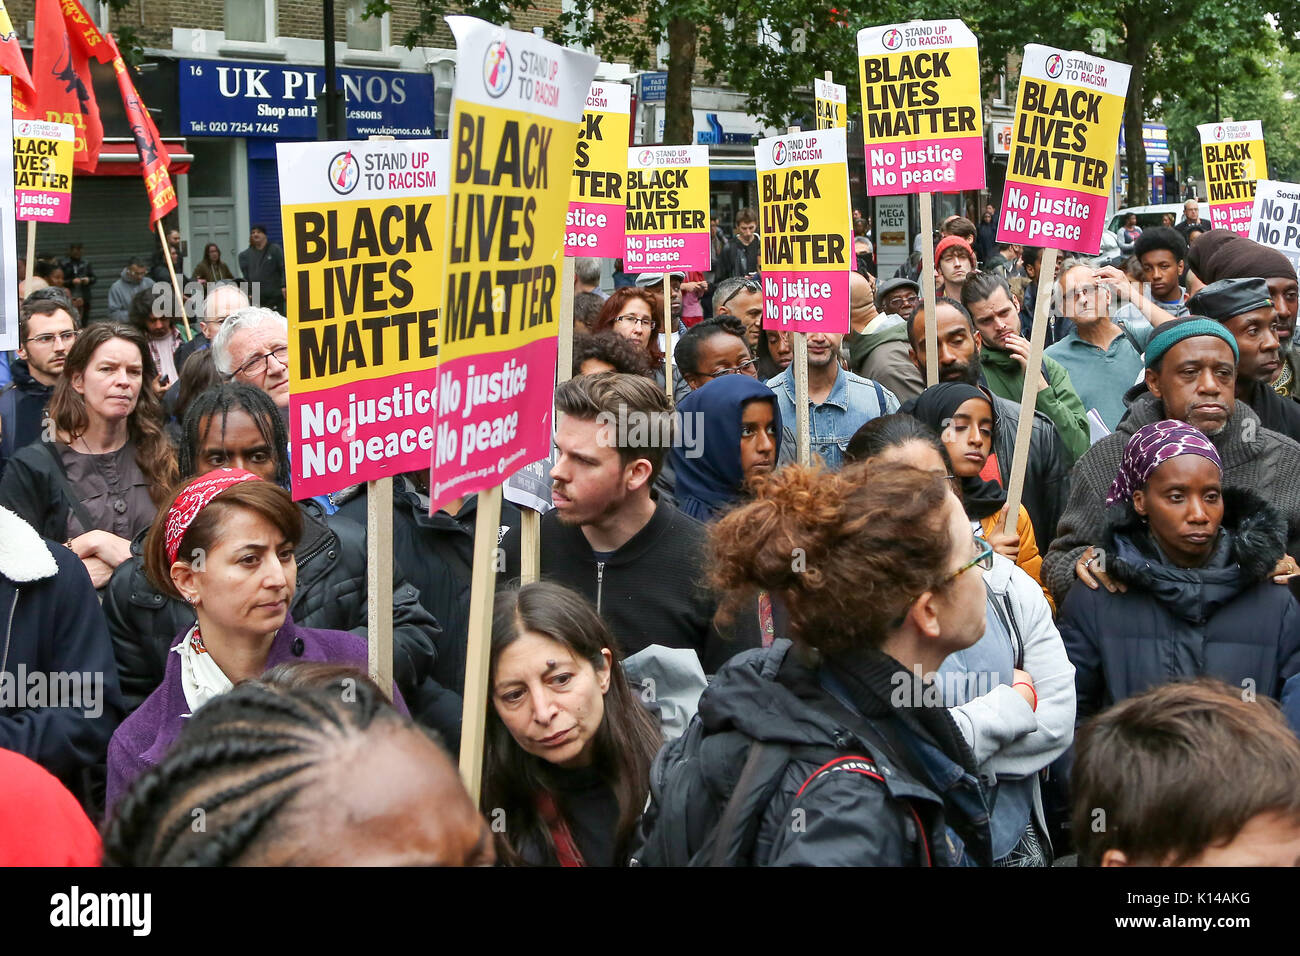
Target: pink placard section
[(362, 430), (39, 205), (926, 165), (1232, 215), (497, 400), (806, 301), (594, 229), (673, 251), (1052, 216)]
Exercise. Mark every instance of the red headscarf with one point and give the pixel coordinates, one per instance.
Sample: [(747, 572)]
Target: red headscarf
[(41, 823), (196, 496)]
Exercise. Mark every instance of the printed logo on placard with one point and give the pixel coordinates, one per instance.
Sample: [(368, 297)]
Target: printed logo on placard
[(498, 69), (1054, 65), (1219, 132), (645, 157), (778, 153), (892, 39), (344, 173)]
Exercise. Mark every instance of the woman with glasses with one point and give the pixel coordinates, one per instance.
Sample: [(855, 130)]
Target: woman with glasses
[(962, 416), (830, 743), (637, 315), (95, 481), (1012, 692), (1195, 565)]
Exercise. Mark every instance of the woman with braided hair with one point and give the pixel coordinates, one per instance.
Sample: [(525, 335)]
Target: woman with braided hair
[(225, 545), (309, 766)]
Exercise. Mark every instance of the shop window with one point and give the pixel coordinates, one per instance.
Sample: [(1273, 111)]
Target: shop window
[(366, 33), (250, 21)]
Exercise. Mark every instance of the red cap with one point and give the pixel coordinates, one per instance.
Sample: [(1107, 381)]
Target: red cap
[(948, 242)]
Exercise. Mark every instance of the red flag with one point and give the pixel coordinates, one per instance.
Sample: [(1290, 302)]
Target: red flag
[(84, 33), (61, 77), (153, 155), (13, 64)]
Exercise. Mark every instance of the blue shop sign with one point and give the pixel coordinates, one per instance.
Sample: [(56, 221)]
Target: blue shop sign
[(654, 87), (221, 98)]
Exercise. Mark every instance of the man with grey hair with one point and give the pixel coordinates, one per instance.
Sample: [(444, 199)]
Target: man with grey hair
[(220, 301), (586, 276), (253, 347), (742, 296)]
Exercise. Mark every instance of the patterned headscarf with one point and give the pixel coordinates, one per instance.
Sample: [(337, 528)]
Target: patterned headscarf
[(196, 496), (1153, 445)]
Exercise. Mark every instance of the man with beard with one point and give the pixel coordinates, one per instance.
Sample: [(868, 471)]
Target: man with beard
[(1047, 473), (1004, 354), (1223, 254), (638, 559), (1245, 308), (1191, 376)]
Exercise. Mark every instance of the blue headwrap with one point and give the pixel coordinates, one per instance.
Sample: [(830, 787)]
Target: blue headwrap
[(712, 480)]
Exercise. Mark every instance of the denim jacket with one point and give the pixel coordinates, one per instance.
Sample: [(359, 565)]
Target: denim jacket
[(852, 403)]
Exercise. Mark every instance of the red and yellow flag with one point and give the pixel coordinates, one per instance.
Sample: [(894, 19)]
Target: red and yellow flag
[(13, 64), (153, 155), (64, 92)]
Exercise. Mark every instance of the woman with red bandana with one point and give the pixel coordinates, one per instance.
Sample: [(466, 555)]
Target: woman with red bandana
[(226, 546)]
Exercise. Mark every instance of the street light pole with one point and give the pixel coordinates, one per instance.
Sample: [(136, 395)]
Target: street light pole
[(331, 125)]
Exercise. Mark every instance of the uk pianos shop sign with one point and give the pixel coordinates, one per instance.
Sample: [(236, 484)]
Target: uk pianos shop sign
[(224, 98)]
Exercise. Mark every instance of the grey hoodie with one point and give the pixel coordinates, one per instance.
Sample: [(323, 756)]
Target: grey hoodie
[(121, 294)]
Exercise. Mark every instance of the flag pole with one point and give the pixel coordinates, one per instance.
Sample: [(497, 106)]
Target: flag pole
[(176, 285)]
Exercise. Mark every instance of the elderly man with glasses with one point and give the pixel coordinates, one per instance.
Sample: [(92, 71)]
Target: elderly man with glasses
[(253, 347), (48, 325)]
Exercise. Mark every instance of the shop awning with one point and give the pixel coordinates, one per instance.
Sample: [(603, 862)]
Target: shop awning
[(119, 158)]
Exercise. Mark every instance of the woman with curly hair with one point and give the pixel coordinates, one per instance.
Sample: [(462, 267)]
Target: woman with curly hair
[(835, 748), (97, 477)]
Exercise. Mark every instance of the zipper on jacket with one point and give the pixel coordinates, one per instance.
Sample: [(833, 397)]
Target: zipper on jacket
[(9, 632), (600, 582)]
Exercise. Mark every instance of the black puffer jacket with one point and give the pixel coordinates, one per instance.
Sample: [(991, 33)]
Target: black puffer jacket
[(863, 812), (1226, 620), (436, 554), (331, 595)]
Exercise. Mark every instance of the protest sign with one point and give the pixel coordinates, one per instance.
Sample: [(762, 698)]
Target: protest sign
[(516, 112), (922, 119), (1068, 115), (363, 247), (1275, 218), (43, 170), (667, 209), (514, 131), (1233, 157), (597, 201), (832, 102), (803, 186), (8, 236)]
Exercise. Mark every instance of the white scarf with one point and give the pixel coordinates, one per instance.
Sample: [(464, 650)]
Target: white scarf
[(201, 678)]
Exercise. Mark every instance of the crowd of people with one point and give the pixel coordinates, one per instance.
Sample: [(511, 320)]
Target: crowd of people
[(731, 657)]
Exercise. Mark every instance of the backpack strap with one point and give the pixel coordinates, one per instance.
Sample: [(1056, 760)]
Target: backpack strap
[(880, 396), (78, 509), (764, 758), (1128, 334)]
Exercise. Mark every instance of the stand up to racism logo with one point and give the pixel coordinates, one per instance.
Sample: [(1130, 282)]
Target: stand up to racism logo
[(498, 68)]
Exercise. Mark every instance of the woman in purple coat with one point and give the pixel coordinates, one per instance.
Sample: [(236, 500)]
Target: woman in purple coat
[(226, 546)]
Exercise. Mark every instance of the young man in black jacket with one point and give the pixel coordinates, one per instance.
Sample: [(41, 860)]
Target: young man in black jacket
[(638, 559), (47, 328)]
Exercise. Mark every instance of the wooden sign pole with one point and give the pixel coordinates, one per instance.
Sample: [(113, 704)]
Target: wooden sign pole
[(927, 290), (800, 364), (478, 656), (176, 285), (668, 334), (31, 251), (1029, 394)]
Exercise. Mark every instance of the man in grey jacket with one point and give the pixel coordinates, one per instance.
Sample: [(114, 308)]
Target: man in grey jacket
[(134, 278), (1191, 376)]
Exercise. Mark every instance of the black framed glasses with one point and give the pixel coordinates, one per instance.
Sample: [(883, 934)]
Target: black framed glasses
[(749, 285), (737, 370), (262, 363)]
